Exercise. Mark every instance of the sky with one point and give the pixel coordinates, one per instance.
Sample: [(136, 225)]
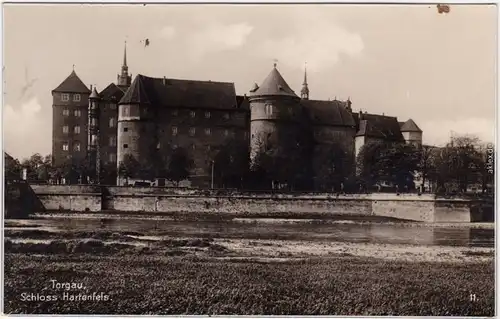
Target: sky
[(407, 61)]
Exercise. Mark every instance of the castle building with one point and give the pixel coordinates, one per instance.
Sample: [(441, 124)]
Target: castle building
[(148, 117)]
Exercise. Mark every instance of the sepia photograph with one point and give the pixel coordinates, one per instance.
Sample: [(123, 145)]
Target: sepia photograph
[(249, 159)]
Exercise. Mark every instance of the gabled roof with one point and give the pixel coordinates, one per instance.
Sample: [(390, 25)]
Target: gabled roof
[(410, 126), (273, 84), (180, 93), (72, 84), (112, 93), (331, 113), (242, 102), (378, 126)]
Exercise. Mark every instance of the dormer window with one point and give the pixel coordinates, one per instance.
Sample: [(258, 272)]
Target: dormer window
[(192, 114), (207, 115), (65, 97), (76, 98)]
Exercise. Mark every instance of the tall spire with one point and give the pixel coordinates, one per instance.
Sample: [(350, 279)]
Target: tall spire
[(304, 93), (123, 79), (125, 55)]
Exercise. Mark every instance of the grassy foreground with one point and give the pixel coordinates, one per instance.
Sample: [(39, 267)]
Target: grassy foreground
[(152, 284)]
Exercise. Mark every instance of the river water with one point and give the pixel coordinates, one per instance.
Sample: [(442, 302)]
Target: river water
[(408, 233)]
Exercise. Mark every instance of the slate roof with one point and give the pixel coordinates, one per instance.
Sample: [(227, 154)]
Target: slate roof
[(72, 84), (180, 93), (378, 126), (410, 126), (112, 93), (331, 113), (273, 84)]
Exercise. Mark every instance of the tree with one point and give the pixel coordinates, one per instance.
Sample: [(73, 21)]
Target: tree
[(179, 165), (231, 164), (12, 169), (427, 163), (460, 162), (333, 165), (38, 167), (128, 167), (391, 162), (284, 158)]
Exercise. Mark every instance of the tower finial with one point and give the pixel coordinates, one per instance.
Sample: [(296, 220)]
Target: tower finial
[(304, 93), (125, 54), (73, 67), (275, 63)]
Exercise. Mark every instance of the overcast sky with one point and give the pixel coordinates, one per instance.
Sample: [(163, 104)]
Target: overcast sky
[(407, 61)]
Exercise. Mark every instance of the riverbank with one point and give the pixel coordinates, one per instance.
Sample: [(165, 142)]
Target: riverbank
[(188, 285)]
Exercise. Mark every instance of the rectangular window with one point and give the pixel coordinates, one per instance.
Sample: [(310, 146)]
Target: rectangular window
[(207, 115), (174, 130), (192, 114), (76, 98), (125, 129), (125, 145), (113, 107), (93, 122), (66, 112), (208, 131), (78, 113), (65, 129), (65, 97), (125, 110), (269, 109), (112, 141), (76, 146), (112, 122), (112, 157), (192, 131), (77, 129), (65, 146), (174, 112), (226, 116), (226, 132)]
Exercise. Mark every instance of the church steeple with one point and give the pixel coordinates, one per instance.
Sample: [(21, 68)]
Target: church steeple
[(123, 79), (304, 93)]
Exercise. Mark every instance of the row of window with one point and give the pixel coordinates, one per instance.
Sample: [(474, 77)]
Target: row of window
[(175, 112), (76, 97), (112, 123), (76, 129), (77, 148), (77, 113)]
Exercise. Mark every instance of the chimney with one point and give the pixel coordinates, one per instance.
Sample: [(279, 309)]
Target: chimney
[(91, 88), (164, 80)]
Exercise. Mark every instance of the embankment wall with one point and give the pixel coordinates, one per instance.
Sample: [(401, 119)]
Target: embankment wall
[(424, 208)]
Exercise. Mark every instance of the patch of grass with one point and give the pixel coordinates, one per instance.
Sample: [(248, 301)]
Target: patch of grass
[(145, 284)]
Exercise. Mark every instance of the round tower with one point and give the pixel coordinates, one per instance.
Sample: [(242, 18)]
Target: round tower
[(275, 114), (412, 133), (136, 130)]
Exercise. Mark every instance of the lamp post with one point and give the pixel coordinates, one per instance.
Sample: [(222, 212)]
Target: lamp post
[(213, 163)]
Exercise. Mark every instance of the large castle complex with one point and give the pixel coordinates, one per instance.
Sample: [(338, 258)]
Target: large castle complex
[(148, 116)]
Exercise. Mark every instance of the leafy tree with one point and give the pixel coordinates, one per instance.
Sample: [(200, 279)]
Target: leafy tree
[(460, 162), (427, 163), (129, 167), (231, 164), (333, 165), (179, 166), (284, 158), (38, 167), (12, 169), (392, 162)]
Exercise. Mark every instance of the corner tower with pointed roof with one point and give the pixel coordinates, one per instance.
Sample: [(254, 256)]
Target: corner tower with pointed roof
[(275, 114), (304, 93), (69, 120), (411, 132)]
